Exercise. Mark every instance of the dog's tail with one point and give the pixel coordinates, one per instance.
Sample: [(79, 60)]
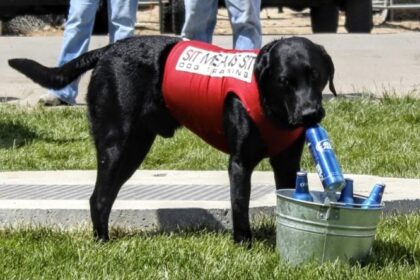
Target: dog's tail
[(57, 77)]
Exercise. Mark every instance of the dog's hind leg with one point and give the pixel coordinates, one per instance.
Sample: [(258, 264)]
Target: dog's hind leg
[(121, 138), (118, 158)]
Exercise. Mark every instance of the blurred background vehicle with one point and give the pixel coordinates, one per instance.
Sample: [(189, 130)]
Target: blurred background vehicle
[(324, 14), (21, 15)]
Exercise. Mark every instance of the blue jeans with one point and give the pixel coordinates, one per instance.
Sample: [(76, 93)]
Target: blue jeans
[(78, 30), (244, 15)]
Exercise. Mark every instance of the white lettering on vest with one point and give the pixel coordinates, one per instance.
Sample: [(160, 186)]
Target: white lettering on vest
[(217, 64)]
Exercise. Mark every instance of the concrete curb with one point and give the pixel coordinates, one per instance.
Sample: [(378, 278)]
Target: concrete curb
[(401, 196)]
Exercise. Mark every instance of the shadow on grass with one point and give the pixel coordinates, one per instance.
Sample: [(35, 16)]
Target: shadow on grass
[(117, 233), (63, 140), (15, 135), (265, 231), (173, 219), (196, 221), (180, 222), (386, 252)]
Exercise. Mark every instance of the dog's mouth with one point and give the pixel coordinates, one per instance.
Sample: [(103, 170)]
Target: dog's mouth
[(307, 117), (291, 118)]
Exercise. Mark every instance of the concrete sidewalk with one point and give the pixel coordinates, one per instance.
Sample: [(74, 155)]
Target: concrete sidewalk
[(160, 199), (373, 63)]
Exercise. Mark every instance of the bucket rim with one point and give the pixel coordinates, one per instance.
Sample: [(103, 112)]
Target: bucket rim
[(333, 204)]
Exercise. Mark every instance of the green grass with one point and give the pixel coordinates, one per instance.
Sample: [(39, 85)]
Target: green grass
[(370, 136), (205, 254)]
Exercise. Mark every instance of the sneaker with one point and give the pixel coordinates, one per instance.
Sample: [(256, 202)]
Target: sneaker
[(51, 100)]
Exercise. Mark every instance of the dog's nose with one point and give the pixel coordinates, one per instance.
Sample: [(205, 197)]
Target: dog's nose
[(312, 115)]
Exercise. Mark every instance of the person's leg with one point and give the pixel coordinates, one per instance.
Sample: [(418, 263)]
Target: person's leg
[(200, 20), (122, 18), (245, 20), (77, 32)]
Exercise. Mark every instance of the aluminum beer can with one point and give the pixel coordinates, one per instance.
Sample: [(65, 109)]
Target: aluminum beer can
[(347, 192), (327, 166), (302, 188), (375, 197)]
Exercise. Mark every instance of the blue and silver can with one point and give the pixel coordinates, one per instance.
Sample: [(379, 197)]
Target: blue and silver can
[(375, 197), (302, 188), (327, 166), (347, 193)]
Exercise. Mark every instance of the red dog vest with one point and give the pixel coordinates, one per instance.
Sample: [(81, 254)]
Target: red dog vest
[(197, 79)]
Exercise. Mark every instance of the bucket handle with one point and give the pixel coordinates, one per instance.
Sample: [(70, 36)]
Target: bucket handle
[(329, 214)]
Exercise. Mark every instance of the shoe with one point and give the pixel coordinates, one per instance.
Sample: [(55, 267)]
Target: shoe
[(51, 100)]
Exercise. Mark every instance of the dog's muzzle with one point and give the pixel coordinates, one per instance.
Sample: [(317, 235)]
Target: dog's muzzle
[(311, 116)]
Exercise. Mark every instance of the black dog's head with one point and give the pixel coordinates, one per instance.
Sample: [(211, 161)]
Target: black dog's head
[(291, 74)]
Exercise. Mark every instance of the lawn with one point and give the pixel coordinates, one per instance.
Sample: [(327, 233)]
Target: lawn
[(370, 136), (198, 254)]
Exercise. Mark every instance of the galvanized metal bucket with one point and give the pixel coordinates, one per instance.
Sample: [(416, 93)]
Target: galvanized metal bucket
[(324, 232)]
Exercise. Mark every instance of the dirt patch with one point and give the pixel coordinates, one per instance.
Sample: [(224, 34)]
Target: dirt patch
[(273, 23)]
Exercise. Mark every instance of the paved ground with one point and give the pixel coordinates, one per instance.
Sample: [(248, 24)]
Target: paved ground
[(386, 63), (163, 199)]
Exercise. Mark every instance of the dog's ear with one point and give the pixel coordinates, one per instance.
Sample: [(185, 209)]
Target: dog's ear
[(330, 69), (262, 64)]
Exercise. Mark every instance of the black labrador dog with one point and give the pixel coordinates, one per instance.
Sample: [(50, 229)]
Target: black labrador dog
[(127, 111)]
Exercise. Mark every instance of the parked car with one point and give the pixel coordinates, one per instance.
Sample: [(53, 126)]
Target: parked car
[(324, 14)]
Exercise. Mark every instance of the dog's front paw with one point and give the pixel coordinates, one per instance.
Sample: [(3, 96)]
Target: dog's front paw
[(100, 238), (243, 238)]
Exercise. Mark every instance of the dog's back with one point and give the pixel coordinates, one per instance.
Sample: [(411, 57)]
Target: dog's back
[(145, 48)]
